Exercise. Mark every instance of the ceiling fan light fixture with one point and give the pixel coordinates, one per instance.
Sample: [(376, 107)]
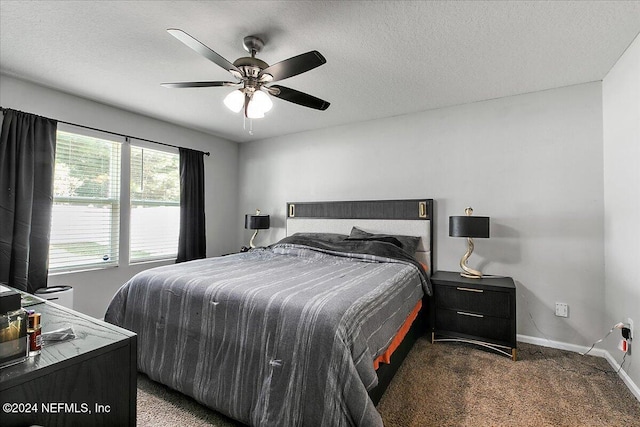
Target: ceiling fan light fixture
[(254, 110), (262, 101), (235, 101)]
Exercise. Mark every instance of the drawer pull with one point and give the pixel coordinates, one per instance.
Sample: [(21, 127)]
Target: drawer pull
[(469, 314), (470, 290)]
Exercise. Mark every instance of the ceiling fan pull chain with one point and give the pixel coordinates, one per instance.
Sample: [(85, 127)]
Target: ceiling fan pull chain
[(244, 124)]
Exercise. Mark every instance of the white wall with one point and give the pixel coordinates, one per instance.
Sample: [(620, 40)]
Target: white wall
[(621, 124), (533, 163), (93, 290)]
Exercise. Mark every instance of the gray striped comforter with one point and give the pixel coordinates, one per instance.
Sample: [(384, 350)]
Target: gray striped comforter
[(282, 336)]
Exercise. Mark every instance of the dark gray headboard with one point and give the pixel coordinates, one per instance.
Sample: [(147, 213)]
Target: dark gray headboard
[(408, 217)]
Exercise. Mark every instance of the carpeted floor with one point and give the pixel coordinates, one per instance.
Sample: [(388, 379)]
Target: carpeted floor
[(452, 384)]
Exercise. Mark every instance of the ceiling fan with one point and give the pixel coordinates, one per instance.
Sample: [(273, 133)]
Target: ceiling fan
[(253, 75)]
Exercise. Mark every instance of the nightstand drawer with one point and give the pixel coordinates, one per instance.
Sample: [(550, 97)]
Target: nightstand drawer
[(489, 328), (474, 300)]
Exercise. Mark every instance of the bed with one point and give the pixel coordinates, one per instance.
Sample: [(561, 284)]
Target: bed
[(288, 335)]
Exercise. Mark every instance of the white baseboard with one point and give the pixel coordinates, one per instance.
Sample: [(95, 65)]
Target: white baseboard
[(625, 377), (543, 342)]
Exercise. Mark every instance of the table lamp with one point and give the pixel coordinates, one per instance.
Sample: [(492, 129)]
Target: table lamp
[(470, 227), (256, 222)]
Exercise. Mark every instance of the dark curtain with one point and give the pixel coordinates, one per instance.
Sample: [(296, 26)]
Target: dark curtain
[(192, 241), (27, 153)]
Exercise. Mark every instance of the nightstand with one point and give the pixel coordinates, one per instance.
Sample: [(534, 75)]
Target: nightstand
[(478, 311)]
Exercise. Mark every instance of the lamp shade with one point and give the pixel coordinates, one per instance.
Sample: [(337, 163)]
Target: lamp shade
[(256, 222), (254, 111), (235, 101), (469, 226), (262, 101)]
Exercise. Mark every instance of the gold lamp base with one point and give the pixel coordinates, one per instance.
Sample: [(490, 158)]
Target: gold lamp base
[(251, 244), (466, 270)]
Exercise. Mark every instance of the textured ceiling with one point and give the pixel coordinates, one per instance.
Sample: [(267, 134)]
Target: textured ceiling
[(384, 58)]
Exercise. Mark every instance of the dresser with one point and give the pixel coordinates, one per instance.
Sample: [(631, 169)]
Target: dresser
[(478, 311), (89, 380)]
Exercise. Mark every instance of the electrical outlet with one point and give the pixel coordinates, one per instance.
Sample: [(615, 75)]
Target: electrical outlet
[(630, 322), (562, 309)]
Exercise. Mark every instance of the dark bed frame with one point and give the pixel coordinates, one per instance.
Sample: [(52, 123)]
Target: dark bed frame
[(413, 209)]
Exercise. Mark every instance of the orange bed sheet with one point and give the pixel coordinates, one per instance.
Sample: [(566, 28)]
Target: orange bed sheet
[(402, 332)]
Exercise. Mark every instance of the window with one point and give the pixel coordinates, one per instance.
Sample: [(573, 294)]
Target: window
[(85, 220), (155, 204), (90, 210)]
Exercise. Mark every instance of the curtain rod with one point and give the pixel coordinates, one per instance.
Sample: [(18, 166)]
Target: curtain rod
[(115, 133)]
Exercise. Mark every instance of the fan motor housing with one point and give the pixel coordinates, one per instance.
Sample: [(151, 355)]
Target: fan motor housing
[(248, 61)]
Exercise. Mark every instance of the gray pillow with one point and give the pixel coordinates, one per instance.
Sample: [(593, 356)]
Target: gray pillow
[(407, 243), (327, 237)]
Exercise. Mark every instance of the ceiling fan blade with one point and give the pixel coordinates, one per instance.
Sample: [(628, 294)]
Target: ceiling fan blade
[(297, 97), (202, 49), (198, 84), (294, 66)]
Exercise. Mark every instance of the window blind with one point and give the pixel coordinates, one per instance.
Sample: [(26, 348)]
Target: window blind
[(85, 218), (155, 204)]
